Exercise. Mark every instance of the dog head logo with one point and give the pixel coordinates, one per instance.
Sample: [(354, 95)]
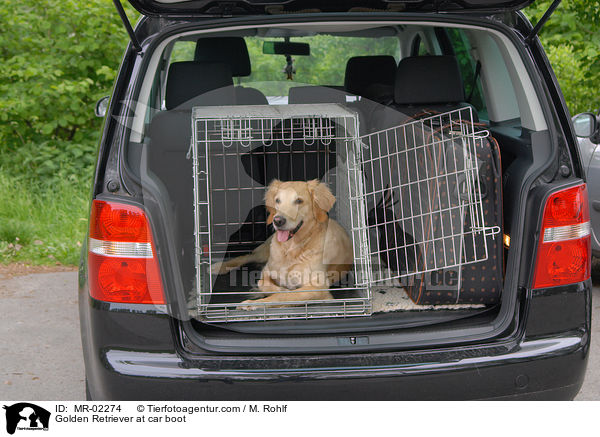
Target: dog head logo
[(25, 416)]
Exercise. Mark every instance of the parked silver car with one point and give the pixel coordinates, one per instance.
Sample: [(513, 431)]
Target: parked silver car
[(587, 129)]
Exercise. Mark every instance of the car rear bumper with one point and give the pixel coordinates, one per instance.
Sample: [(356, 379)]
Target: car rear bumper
[(540, 369), (138, 356)]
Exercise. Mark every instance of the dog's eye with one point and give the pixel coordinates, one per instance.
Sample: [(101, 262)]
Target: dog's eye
[(277, 201), (299, 201)]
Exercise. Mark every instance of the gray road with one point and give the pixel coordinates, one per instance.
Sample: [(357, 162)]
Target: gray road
[(40, 352)]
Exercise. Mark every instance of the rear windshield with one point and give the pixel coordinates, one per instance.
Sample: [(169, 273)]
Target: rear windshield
[(326, 64), (341, 66)]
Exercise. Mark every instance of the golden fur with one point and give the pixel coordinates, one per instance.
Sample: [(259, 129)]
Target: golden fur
[(316, 256)]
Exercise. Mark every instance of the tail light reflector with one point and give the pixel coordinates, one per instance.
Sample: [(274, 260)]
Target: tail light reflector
[(564, 251), (122, 262)]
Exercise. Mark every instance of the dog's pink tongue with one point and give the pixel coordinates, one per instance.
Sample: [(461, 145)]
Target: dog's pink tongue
[(283, 236)]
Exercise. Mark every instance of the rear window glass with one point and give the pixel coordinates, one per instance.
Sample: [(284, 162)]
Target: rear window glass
[(326, 64), (491, 89), (183, 51), (470, 69)]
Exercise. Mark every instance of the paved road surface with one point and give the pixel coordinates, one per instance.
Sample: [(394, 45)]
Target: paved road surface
[(40, 351)]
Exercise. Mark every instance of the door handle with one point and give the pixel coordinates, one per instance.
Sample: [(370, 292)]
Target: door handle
[(596, 205)]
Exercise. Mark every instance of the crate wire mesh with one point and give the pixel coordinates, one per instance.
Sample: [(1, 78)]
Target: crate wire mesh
[(424, 197), (409, 195), (237, 151)]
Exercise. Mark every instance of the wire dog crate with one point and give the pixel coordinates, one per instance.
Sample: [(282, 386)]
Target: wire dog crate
[(237, 151), (409, 197)]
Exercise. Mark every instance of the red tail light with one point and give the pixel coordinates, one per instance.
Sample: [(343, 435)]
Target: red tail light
[(122, 261), (564, 252)]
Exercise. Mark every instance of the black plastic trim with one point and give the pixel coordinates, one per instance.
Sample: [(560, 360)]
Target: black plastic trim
[(203, 8)]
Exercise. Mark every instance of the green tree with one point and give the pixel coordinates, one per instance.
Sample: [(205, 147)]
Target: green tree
[(572, 42), (57, 59)]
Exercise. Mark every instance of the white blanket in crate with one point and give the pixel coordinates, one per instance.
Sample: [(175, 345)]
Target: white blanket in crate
[(388, 299)]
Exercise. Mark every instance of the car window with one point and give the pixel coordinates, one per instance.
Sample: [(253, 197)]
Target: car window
[(470, 70), (418, 47), (182, 51), (500, 93), (326, 64)]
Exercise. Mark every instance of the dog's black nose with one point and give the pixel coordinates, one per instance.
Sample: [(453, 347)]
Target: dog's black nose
[(278, 221)]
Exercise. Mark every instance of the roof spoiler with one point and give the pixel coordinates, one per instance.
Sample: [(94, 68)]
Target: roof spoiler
[(134, 41), (543, 20)]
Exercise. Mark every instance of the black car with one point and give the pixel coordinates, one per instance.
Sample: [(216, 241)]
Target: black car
[(441, 132)]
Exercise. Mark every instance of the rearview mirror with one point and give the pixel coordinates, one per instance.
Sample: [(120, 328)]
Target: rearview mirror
[(101, 106), (286, 48), (585, 124)]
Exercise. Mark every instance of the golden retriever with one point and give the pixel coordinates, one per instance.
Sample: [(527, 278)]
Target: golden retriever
[(308, 251)]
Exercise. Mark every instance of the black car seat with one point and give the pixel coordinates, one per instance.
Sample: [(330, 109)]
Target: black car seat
[(371, 77), (422, 84), (231, 50), (428, 83), (193, 83), (188, 84)]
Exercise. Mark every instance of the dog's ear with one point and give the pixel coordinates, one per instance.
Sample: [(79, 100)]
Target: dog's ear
[(270, 199), (322, 199)]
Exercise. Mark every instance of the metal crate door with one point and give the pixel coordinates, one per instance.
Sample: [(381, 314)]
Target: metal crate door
[(423, 196)]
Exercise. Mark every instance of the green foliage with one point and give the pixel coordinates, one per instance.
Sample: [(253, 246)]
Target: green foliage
[(572, 41), (41, 224), (57, 59), (571, 73), (468, 67)]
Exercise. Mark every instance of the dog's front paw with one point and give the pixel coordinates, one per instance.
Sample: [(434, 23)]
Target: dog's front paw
[(219, 268), (294, 279), (215, 268), (252, 304), (246, 305)]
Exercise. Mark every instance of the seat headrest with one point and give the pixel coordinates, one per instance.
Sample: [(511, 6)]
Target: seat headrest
[(315, 94), (231, 50), (188, 80), (428, 80), (362, 71)]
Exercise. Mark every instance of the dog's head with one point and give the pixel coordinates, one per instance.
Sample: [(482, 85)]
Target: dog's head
[(292, 205)]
